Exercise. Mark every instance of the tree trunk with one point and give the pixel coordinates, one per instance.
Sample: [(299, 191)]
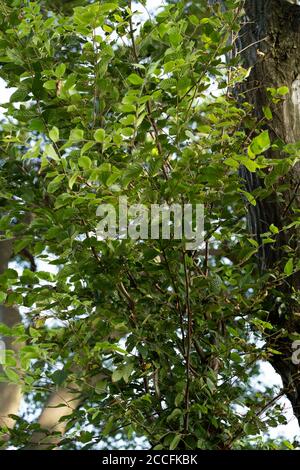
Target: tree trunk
[(269, 43)]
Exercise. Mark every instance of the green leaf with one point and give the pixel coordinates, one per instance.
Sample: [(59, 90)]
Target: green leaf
[(11, 273), (59, 376), (127, 370), (289, 266), (249, 197), (250, 165), (101, 386), (250, 429), (135, 79), (51, 153), (54, 134), (273, 229), (117, 375), (175, 38), (60, 70), (210, 385), (99, 135), (175, 442), (76, 135), (174, 415), (20, 244), (55, 184), (235, 357), (12, 375), (267, 112), (19, 95), (87, 146), (231, 162), (84, 162), (50, 85), (283, 90), (73, 179), (260, 143), (127, 131)]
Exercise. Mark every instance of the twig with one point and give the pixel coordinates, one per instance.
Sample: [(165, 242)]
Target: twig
[(148, 105), (188, 347)]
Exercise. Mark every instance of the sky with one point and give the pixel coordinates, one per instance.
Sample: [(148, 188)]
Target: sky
[(267, 376)]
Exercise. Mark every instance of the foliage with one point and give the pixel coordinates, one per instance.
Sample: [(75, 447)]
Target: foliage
[(161, 344)]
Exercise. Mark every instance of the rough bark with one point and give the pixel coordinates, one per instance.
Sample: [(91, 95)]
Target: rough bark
[(269, 43)]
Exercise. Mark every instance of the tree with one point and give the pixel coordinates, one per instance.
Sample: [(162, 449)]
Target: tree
[(268, 43), (125, 338)]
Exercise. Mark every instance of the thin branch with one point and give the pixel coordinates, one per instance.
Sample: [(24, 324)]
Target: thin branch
[(189, 344), (148, 105)]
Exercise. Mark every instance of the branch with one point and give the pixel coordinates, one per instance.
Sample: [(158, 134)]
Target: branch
[(189, 344)]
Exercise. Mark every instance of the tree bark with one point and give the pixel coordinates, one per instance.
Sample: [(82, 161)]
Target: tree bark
[(269, 44)]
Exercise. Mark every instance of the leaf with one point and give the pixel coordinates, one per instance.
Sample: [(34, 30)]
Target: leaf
[(175, 38), (50, 85), (179, 398), (60, 70), (59, 376), (55, 184), (249, 197), (109, 425), (84, 162), (101, 386), (11, 273), (117, 375), (175, 442), (20, 244), (260, 143), (51, 153), (127, 131), (135, 79), (174, 415), (76, 135), (288, 268), (99, 135), (250, 165), (283, 90), (54, 134), (107, 7), (267, 112), (210, 385), (12, 375), (235, 357), (231, 162), (73, 179), (250, 429), (87, 146), (273, 229), (19, 95), (127, 370)]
